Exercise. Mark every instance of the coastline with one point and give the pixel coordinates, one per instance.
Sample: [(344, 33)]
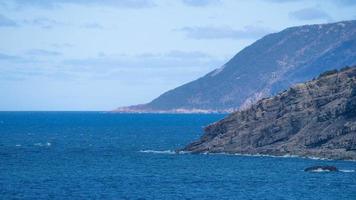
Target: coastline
[(171, 152)]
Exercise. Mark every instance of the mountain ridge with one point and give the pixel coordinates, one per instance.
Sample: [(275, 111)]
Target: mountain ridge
[(267, 66)]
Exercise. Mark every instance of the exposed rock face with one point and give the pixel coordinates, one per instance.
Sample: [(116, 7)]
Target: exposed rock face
[(316, 118), (264, 68)]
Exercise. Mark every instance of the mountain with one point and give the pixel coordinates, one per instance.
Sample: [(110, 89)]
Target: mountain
[(316, 118), (264, 68)]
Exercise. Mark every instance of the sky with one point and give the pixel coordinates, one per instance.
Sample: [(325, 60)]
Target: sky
[(97, 55)]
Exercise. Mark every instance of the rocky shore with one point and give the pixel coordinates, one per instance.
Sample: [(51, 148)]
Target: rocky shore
[(316, 118)]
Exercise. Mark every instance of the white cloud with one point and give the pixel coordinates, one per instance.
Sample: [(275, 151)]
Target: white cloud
[(247, 32), (310, 14), (6, 22), (201, 3), (50, 4)]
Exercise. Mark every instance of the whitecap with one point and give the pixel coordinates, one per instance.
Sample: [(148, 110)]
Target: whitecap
[(18, 145), (347, 170), (290, 156), (239, 154), (315, 158), (43, 144), (38, 144), (280, 156), (320, 170), (183, 152), (158, 152)]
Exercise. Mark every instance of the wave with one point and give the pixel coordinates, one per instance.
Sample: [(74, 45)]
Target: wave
[(158, 152), (276, 156), (267, 155), (347, 170), (241, 154), (314, 158), (320, 170), (341, 170), (164, 151), (47, 144)]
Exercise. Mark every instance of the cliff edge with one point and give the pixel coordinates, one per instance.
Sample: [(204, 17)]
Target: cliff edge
[(316, 118)]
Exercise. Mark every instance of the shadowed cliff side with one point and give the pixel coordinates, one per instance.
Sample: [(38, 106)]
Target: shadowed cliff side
[(316, 118)]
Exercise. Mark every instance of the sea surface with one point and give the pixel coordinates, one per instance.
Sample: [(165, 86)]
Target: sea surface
[(95, 155)]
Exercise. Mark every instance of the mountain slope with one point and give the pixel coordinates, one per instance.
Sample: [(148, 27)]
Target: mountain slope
[(316, 118), (264, 68)]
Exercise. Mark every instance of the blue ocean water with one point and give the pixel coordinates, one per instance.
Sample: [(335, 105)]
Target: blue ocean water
[(93, 155)]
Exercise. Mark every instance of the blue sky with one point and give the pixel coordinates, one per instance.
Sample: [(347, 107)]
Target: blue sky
[(102, 54)]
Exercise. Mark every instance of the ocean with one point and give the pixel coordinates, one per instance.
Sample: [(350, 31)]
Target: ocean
[(96, 155)]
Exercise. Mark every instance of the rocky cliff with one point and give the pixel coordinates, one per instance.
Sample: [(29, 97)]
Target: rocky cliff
[(316, 118), (264, 68)]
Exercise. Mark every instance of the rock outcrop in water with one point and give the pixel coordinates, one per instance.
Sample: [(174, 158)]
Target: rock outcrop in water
[(268, 66), (321, 169), (316, 118)]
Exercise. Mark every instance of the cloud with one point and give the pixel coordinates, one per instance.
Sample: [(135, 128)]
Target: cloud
[(248, 32), (345, 2), (176, 54), (309, 14), (42, 52), (48, 23), (30, 56), (6, 22), (9, 57), (61, 45), (283, 1), (24, 71), (190, 54), (172, 59), (201, 3), (93, 26), (105, 66), (42, 22), (337, 2), (112, 66), (50, 4)]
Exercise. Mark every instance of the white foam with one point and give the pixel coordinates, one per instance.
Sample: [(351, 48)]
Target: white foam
[(320, 170), (243, 154), (272, 156), (266, 155), (158, 152), (41, 144), (183, 152), (18, 145), (347, 170), (315, 158), (289, 156), (38, 144)]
